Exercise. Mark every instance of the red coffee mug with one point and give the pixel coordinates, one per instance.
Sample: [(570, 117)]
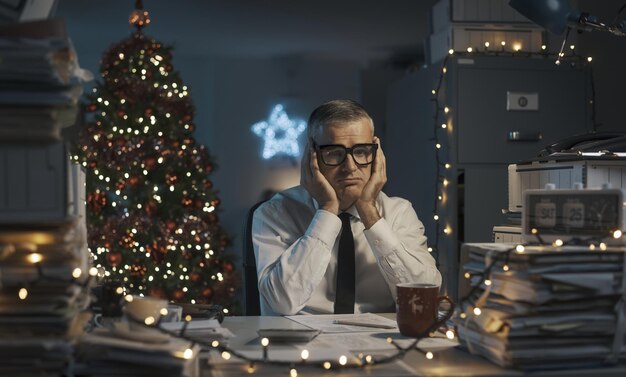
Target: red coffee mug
[(417, 306)]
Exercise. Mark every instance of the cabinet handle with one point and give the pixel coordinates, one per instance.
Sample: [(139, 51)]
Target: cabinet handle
[(524, 136)]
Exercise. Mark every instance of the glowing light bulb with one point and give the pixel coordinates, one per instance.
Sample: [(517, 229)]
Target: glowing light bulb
[(487, 282), (343, 360), (558, 243), (589, 59), (520, 248), (477, 311), (469, 49), (265, 342), (23, 293), (617, 234), (35, 257), (486, 44), (188, 354), (450, 51), (450, 334), (225, 355), (429, 355), (326, 365), (304, 354)]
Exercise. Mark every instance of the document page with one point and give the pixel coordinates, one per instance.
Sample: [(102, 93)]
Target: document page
[(342, 323)]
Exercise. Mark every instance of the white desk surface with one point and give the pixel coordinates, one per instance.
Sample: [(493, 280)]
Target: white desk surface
[(450, 362)]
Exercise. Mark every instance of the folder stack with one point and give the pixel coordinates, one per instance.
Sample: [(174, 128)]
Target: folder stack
[(44, 260), (545, 307)]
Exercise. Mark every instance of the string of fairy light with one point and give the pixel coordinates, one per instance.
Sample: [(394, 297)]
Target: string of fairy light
[(443, 120), (36, 259), (225, 352), (471, 305)]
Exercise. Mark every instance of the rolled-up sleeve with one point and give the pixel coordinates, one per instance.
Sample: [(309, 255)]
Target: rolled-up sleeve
[(400, 248)]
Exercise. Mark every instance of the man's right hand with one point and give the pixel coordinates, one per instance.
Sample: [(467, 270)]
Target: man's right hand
[(315, 183)]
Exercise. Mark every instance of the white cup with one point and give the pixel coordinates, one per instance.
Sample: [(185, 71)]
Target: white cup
[(144, 309)]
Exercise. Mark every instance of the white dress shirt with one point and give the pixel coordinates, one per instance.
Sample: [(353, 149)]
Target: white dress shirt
[(296, 244)]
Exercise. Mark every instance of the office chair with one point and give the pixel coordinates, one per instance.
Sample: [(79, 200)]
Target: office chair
[(251, 281)]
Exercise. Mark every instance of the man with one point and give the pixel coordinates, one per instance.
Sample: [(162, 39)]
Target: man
[(298, 239)]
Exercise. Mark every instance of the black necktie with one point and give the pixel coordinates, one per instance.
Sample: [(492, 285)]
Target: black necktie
[(344, 299)]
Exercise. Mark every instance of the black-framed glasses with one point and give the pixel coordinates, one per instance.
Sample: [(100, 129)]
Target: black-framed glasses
[(335, 154)]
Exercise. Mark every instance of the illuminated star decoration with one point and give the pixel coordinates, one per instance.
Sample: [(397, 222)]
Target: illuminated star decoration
[(279, 133)]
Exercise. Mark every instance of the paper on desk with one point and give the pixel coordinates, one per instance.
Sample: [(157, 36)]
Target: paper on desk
[(193, 325), (332, 353), (325, 322)]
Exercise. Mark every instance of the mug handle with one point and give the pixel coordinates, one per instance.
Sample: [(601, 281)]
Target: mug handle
[(446, 316)]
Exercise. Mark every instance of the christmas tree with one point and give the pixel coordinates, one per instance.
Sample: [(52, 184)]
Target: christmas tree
[(151, 209)]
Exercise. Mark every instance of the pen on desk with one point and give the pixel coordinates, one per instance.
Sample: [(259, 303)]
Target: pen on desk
[(362, 324)]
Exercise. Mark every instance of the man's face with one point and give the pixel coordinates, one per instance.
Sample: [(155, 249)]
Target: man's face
[(349, 178)]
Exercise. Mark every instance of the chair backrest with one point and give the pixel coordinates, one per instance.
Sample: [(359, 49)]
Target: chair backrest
[(251, 281)]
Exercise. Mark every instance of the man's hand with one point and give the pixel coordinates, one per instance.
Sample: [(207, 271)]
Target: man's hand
[(366, 204), (315, 183)]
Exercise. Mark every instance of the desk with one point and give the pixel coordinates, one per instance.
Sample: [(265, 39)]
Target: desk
[(450, 362)]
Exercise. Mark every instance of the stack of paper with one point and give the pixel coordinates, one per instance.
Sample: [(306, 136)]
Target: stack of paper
[(40, 81), (205, 330), (545, 307), (43, 293), (129, 351)]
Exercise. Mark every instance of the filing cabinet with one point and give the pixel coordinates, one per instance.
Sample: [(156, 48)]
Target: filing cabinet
[(502, 109)]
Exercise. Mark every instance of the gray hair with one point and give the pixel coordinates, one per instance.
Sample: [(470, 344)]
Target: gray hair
[(336, 112)]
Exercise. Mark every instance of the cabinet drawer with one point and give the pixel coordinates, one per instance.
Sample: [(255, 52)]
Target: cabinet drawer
[(505, 115)]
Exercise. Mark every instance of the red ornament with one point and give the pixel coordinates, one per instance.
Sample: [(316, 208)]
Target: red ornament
[(120, 114), (151, 207), (170, 224), (186, 201), (207, 292), (178, 295), (171, 178), (148, 111), (91, 107), (133, 181), (199, 203), (194, 277), (120, 185), (114, 258), (207, 184), (150, 162), (228, 267), (208, 168), (215, 202)]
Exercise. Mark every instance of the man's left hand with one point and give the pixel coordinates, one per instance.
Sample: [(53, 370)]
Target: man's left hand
[(366, 204)]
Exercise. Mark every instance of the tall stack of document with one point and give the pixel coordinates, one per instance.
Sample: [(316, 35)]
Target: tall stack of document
[(39, 81), (44, 260), (43, 296), (545, 307)]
